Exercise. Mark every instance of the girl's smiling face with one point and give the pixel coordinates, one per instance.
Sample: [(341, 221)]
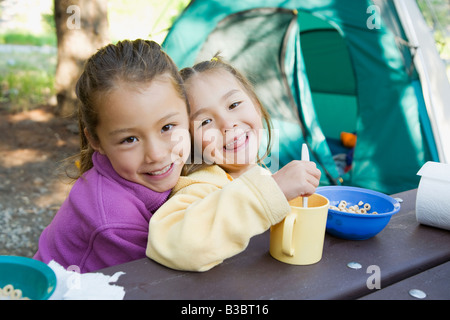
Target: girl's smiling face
[(224, 121), (144, 132)]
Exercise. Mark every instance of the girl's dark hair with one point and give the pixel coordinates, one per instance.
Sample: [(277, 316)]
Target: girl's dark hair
[(132, 62), (218, 63)]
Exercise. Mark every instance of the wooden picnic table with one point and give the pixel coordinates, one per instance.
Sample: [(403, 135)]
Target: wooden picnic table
[(405, 255)]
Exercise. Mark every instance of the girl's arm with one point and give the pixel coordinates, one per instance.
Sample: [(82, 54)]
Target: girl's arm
[(203, 224)]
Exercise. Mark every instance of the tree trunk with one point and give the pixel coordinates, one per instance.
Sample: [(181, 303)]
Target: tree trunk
[(81, 29)]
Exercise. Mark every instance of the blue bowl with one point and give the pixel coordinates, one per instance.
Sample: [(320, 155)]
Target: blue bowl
[(358, 226), (36, 279)]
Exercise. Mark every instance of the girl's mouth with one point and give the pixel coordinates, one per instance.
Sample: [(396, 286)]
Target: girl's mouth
[(237, 143), (162, 171)]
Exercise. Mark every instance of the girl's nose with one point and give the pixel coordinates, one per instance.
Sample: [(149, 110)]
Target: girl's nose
[(228, 125), (154, 152)]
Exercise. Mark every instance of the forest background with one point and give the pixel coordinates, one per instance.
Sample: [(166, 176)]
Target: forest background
[(27, 76)]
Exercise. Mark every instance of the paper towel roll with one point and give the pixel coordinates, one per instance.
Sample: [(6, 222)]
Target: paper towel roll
[(433, 195)]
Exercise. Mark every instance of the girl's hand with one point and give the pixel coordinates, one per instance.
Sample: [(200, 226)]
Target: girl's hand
[(298, 178)]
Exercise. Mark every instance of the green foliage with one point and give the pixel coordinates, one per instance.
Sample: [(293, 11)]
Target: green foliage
[(437, 16), (149, 19), (27, 38), (26, 78)]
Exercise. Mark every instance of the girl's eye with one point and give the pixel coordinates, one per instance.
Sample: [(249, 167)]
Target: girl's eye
[(129, 140), (205, 122), (167, 127), (234, 105)]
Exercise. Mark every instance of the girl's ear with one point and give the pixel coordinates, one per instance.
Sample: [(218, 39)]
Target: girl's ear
[(95, 144)]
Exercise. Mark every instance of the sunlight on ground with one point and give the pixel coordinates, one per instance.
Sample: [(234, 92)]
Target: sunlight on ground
[(20, 157), (36, 115), (59, 190)]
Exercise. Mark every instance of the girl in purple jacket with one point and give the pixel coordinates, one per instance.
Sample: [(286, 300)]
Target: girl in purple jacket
[(134, 130)]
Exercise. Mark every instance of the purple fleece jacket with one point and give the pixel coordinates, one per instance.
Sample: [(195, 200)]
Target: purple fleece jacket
[(103, 222)]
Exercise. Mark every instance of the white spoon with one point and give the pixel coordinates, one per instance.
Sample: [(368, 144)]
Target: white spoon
[(305, 157)]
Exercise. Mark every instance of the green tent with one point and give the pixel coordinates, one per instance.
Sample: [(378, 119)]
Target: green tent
[(322, 67)]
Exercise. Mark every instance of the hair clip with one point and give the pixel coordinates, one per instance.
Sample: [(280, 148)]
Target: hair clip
[(214, 59)]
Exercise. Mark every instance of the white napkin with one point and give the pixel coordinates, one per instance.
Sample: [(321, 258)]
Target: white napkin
[(71, 285), (433, 195)]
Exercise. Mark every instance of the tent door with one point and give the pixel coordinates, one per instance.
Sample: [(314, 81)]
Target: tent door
[(332, 82)]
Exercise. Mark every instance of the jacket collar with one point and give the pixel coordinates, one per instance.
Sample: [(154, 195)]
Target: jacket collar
[(152, 199)]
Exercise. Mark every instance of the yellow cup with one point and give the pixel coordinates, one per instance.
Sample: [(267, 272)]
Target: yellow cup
[(298, 239)]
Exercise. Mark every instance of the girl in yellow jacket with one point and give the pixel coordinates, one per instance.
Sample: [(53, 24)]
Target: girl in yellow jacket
[(226, 197)]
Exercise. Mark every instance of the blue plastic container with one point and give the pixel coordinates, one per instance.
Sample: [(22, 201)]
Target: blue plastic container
[(36, 280), (358, 226)]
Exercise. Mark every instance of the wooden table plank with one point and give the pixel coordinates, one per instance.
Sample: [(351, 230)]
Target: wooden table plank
[(403, 249)]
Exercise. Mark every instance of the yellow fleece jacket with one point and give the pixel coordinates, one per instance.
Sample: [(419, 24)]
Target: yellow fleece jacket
[(210, 218)]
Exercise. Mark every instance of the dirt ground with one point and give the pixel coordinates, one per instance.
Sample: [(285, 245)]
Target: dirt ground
[(33, 182)]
